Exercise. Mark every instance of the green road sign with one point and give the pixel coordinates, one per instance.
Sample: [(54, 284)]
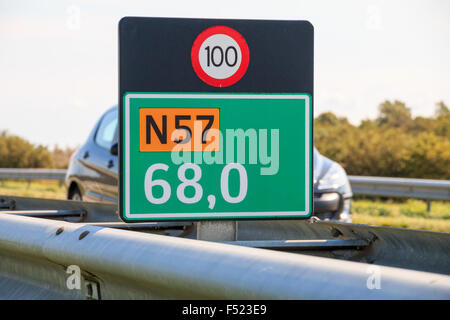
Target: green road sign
[(216, 156)]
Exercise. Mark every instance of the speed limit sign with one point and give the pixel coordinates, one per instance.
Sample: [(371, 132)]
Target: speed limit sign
[(220, 56)]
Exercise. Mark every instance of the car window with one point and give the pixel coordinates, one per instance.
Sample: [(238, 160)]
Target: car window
[(107, 130)]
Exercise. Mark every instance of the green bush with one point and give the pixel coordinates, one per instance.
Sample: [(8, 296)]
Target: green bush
[(16, 152), (393, 145)]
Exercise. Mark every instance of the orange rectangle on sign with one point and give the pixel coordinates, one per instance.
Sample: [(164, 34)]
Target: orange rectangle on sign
[(179, 129)]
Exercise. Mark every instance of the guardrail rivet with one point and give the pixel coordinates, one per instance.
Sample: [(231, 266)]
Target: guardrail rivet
[(335, 232), (83, 234), (60, 230), (373, 237)]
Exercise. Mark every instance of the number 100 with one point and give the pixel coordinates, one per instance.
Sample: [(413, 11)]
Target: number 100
[(216, 56)]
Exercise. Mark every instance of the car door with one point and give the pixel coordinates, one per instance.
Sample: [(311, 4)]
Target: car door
[(100, 162), (109, 185)]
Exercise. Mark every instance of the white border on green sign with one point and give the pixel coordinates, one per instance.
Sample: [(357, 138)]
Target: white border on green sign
[(216, 215)]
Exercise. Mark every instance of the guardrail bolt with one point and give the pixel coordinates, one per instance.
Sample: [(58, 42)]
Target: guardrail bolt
[(60, 230), (335, 232), (373, 237), (83, 234)]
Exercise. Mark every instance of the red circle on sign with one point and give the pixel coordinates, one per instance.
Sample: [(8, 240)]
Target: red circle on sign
[(245, 53)]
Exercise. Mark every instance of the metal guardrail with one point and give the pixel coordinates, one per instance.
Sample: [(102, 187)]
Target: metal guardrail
[(32, 174), (378, 186), (36, 254), (394, 247), (401, 187)]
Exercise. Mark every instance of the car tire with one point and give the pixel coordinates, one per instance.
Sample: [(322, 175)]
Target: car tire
[(76, 195)]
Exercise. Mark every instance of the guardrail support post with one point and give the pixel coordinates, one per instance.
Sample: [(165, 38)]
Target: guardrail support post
[(428, 206), (217, 230)]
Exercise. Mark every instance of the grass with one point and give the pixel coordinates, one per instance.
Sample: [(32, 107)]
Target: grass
[(35, 188), (395, 213), (411, 214)]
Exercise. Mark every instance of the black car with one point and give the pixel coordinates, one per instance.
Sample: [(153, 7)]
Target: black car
[(93, 173)]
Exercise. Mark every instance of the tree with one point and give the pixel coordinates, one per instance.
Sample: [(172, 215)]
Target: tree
[(394, 115), (16, 152), (442, 127), (393, 145), (61, 156), (441, 110), (327, 118)]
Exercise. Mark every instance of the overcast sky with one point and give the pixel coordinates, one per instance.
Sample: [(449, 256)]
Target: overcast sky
[(58, 59)]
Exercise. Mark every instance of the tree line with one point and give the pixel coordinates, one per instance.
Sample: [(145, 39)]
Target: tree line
[(393, 145), (17, 152)]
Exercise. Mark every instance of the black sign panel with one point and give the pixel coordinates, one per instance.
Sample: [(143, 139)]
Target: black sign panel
[(155, 55)]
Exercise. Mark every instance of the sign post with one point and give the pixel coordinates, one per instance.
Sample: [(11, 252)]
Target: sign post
[(215, 121)]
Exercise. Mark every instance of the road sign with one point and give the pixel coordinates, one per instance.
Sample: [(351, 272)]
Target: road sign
[(220, 56), (215, 119)]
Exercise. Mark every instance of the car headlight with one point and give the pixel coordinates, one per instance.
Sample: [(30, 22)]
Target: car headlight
[(333, 179)]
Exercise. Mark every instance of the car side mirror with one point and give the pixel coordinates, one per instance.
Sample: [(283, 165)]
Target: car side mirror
[(114, 150)]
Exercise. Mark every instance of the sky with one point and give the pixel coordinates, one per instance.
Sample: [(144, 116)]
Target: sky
[(59, 61)]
